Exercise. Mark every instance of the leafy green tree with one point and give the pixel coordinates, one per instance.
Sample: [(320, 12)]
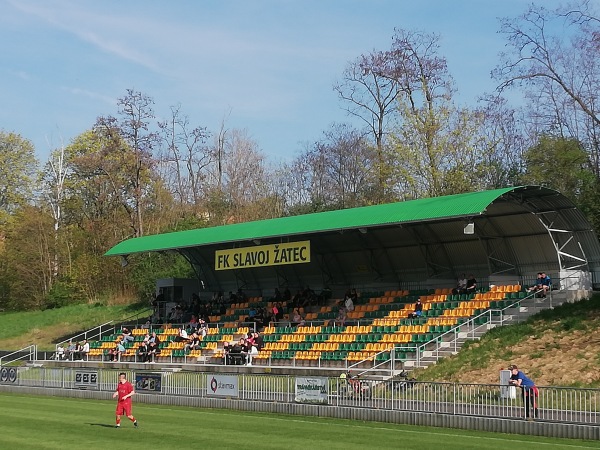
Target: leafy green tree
[(560, 164), (18, 167)]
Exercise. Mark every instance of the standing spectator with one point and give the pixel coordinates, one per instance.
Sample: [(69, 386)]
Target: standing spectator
[(529, 391)]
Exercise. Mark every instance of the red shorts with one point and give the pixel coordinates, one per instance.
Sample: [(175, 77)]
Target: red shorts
[(124, 409)]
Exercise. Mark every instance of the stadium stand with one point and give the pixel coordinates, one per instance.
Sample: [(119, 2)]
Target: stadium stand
[(378, 324)]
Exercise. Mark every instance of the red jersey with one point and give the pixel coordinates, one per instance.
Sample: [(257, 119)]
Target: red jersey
[(124, 389)]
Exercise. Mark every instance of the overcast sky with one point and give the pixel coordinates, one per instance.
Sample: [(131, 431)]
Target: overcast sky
[(267, 66)]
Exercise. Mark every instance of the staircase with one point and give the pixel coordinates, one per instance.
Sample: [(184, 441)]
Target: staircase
[(451, 343)]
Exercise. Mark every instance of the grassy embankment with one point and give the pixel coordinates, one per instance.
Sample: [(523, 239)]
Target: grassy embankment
[(20, 329), (558, 347)]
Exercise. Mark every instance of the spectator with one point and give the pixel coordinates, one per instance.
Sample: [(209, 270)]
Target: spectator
[(77, 352), (202, 328), (258, 341), (60, 353), (116, 352), (142, 352), (182, 336), (85, 350), (542, 284), (70, 353), (471, 284), (348, 302), (297, 318), (235, 353), (127, 336), (340, 320), (227, 359), (193, 325), (252, 350), (193, 343), (461, 285), (153, 349), (418, 311), (529, 391)]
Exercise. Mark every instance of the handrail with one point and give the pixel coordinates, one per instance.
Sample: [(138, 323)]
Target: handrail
[(32, 354), (91, 333)]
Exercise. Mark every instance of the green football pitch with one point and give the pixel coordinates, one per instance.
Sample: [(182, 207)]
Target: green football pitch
[(28, 422)]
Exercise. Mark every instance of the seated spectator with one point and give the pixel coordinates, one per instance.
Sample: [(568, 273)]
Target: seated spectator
[(142, 352), (348, 302), (127, 336), (154, 338), (70, 352), (193, 343), (296, 319), (116, 352), (59, 355), (418, 311), (542, 285), (227, 360), (193, 325), (340, 320), (202, 328), (239, 352), (461, 285), (471, 285), (85, 350), (182, 336), (77, 351), (258, 341), (153, 350)]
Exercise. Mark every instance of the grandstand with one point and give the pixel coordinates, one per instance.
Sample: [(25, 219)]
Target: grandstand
[(378, 330)]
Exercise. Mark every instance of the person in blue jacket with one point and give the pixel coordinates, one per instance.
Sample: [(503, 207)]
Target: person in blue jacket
[(529, 391)]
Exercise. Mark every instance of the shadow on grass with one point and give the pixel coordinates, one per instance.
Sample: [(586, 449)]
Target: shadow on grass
[(103, 425)]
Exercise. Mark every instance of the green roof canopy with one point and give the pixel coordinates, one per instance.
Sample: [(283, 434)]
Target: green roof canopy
[(428, 209)]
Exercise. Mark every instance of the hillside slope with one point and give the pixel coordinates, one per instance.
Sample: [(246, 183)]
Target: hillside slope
[(559, 347)]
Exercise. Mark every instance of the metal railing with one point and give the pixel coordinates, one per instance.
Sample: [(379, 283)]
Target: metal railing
[(554, 404), (28, 353)]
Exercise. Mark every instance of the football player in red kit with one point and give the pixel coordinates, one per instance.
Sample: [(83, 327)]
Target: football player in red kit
[(124, 393)]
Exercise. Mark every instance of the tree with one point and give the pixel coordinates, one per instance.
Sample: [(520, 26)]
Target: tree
[(18, 166), (370, 94), (556, 154), (554, 57), (435, 141), (127, 153), (187, 158)]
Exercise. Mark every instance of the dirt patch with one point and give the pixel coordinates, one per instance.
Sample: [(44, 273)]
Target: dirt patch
[(553, 358)]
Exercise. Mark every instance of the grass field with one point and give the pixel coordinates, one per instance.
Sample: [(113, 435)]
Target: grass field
[(30, 422)]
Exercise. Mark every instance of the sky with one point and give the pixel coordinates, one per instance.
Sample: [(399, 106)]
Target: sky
[(266, 66)]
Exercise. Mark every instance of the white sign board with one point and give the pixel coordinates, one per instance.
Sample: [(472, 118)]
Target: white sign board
[(311, 390), (223, 386)]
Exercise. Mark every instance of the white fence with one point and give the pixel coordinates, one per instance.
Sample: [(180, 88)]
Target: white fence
[(555, 404)]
